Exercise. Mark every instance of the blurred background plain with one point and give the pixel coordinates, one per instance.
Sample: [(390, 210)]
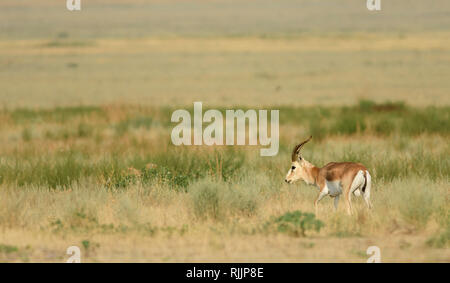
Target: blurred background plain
[(258, 52)]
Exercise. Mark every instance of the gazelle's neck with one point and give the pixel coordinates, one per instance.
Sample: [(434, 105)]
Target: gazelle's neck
[(311, 172)]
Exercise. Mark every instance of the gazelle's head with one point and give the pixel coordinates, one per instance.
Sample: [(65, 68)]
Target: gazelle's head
[(299, 166)]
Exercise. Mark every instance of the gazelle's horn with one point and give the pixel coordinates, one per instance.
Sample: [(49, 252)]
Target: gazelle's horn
[(297, 149)]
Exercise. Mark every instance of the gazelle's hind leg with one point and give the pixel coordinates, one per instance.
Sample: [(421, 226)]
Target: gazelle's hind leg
[(357, 183), (366, 192), (348, 203)]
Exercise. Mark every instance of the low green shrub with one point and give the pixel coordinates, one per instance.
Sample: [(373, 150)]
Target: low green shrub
[(296, 223)]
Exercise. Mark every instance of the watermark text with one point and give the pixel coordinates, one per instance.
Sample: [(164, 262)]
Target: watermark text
[(73, 5), (213, 133)]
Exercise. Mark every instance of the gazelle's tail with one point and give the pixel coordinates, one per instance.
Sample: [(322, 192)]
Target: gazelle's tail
[(363, 189), (366, 188)]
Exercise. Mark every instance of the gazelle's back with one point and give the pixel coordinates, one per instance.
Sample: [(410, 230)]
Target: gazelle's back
[(335, 170)]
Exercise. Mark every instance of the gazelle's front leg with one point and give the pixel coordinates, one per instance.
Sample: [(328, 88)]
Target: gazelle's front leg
[(323, 192), (336, 202)]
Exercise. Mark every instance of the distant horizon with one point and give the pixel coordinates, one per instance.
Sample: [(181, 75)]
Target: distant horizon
[(140, 19)]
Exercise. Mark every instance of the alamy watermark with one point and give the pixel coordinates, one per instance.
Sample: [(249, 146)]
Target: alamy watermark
[(75, 254), (73, 5), (375, 254), (213, 134), (373, 5)]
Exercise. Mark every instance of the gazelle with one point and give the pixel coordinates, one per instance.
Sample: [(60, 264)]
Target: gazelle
[(333, 179)]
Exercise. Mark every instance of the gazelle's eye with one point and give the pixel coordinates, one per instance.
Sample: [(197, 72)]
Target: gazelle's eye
[(293, 167)]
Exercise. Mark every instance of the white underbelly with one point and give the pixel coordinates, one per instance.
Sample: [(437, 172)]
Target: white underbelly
[(333, 188)]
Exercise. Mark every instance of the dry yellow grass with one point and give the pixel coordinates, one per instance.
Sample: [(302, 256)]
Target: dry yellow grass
[(181, 237)]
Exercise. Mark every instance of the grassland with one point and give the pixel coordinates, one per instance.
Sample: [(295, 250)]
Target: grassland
[(109, 180), (86, 157)]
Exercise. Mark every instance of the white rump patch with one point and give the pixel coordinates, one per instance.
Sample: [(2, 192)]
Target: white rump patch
[(358, 182)]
